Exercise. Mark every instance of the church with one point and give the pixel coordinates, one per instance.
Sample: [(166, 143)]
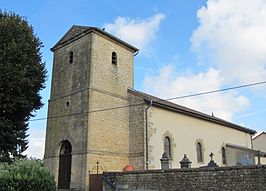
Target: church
[(98, 122)]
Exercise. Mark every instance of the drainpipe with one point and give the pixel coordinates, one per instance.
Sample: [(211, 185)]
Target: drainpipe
[(146, 130), (251, 140)]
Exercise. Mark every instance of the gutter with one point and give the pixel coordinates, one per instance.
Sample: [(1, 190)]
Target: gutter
[(136, 53)]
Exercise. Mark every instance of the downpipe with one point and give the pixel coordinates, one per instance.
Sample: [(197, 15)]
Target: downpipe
[(146, 131)]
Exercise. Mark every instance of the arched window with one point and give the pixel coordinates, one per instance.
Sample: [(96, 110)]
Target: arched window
[(70, 57), (199, 152), (64, 176), (114, 58), (167, 146), (223, 155)]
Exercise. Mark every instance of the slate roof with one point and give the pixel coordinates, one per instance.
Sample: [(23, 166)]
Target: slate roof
[(77, 31), (246, 149), (187, 111)]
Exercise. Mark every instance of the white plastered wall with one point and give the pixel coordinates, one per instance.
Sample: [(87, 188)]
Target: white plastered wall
[(185, 132)]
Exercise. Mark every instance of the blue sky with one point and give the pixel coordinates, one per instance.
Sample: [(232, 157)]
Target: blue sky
[(186, 46)]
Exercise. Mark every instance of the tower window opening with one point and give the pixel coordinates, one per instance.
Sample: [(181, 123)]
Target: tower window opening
[(114, 58), (70, 57)]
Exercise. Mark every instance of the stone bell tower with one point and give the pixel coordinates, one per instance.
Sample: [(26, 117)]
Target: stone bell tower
[(87, 122)]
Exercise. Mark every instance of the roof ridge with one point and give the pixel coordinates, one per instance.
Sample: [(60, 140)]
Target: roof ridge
[(82, 26)]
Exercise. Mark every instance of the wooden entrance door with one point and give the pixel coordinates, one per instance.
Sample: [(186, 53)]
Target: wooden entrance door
[(96, 182), (64, 176)]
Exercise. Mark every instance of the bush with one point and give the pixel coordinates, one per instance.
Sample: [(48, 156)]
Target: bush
[(26, 175)]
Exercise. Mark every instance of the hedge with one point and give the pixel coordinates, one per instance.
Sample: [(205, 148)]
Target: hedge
[(26, 175)]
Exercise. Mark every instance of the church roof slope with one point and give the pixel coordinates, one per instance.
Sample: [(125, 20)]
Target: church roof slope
[(158, 102), (77, 31)]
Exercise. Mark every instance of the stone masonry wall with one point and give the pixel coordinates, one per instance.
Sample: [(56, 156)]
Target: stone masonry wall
[(215, 179), (83, 91), (67, 109), (108, 121), (136, 132)]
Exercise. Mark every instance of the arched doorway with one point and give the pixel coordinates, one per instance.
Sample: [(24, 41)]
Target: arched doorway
[(64, 176)]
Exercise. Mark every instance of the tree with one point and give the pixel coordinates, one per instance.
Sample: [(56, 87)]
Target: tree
[(22, 77)]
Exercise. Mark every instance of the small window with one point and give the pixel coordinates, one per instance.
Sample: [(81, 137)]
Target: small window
[(114, 58), (199, 152), (223, 156), (70, 57), (167, 146)]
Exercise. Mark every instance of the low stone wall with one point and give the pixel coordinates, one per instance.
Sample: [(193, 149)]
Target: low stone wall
[(248, 178)]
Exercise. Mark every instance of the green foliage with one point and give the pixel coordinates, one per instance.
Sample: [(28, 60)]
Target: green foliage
[(26, 175), (22, 76)]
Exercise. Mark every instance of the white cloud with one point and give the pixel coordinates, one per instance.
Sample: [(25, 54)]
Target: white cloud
[(138, 32), (230, 40), (167, 85), (36, 144), (231, 35)]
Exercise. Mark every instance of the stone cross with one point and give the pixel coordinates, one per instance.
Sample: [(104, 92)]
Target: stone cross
[(97, 166)]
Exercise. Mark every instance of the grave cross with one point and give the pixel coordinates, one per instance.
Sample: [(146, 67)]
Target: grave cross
[(211, 155), (97, 166), (212, 163)]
